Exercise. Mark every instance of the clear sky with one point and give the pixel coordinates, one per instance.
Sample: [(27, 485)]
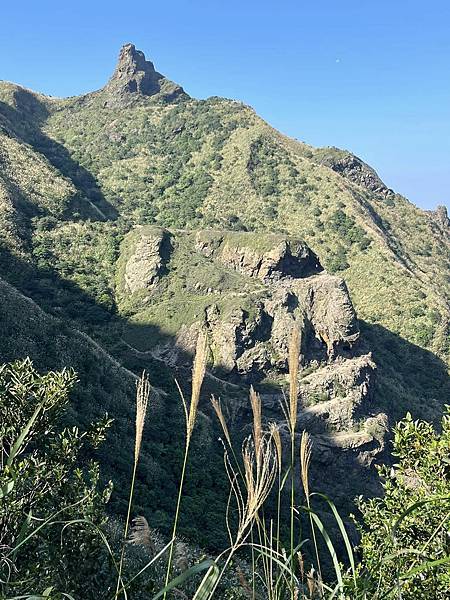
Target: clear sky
[(372, 76)]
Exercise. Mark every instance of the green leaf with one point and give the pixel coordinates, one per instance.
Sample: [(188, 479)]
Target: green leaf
[(185, 575), (23, 530), (25, 431), (412, 508), (425, 566), (344, 534), (7, 488), (332, 551), (208, 583)]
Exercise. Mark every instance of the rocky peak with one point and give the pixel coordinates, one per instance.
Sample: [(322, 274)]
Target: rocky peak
[(440, 216), (136, 76), (353, 168)]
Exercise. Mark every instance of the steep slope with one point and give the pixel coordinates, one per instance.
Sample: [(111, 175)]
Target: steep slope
[(135, 214), (248, 291), (105, 386), (180, 162)]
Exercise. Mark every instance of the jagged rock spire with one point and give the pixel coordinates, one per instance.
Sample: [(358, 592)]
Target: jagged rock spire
[(135, 76), (441, 218)]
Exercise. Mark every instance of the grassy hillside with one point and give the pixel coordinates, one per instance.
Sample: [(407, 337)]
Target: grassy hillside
[(107, 387), (214, 163), (77, 176)]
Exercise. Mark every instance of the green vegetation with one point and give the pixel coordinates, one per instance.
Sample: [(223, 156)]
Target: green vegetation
[(51, 501), (60, 541), (347, 229), (77, 177), (210, 163), (405, 541)]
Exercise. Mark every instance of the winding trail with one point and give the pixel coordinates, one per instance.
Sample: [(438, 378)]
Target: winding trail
[(152, 355)]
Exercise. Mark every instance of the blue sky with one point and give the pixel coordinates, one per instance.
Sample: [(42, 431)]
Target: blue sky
[(369, 76)]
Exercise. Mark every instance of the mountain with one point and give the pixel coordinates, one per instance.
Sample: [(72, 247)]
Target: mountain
[(134, 215)]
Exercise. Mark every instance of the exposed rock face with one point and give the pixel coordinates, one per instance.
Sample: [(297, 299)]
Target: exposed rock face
[(269, 284), (251, 318), (335, 396), (135, 76), (336, 408), (350, 166), (255, 345), (267, 256), (146, 265), (331, 312), (440, 216)]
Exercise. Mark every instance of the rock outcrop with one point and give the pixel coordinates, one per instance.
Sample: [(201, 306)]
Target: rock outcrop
[(353, 168), (280, 285), (135, 76), (250, 291), (440, 217), (146, 265), (268, 256), (254, 345), (336, 396)]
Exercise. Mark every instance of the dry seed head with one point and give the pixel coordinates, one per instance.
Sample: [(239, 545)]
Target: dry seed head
[(294, 353), (142, 396), (311, 582), (255, 401), (198, 374), (275, 433), (218, 408), (305, 458), (259, 476), (140, 534), (301, 563)]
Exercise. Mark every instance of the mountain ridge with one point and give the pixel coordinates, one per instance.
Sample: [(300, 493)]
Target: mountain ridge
[(136, 215)]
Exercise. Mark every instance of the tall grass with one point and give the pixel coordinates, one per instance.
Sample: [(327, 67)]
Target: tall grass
[(142, 396), (305, 458), (198, 374), (281, 569), (294, 355)]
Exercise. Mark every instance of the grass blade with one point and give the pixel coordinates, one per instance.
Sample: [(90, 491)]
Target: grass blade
[(329, 543), (208, 583), (344, 534), (185, 575), (23, 434)]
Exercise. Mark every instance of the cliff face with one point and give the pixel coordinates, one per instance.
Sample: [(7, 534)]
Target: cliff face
[(250, 291), (353, 168), (134, 76)]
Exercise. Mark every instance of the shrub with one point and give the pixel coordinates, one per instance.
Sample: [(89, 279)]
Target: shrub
[(46, 479), (345, 226), (405, 535)]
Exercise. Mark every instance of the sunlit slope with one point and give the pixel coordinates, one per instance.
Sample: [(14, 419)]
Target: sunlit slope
[(215, 163)]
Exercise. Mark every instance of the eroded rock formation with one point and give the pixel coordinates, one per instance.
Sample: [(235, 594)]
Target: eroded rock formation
[(353, 168), (135, 76), (249, 291)]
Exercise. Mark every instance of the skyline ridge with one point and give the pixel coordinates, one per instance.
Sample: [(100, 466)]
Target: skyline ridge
[(129, 53)]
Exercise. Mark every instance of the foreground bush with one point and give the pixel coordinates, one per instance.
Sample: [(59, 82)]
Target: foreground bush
[(51, 505), (406, 534), (55, 537)]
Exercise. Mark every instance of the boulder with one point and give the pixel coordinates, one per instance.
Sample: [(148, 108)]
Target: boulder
[(146, 265)]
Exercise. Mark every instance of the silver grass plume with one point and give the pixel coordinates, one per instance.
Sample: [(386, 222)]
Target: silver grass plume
[(198, 374)]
